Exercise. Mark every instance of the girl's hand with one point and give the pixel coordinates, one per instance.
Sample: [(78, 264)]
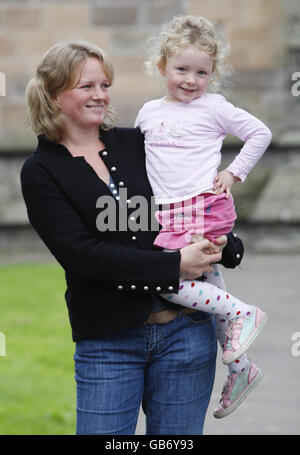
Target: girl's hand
[(224, 181), (218, 246)]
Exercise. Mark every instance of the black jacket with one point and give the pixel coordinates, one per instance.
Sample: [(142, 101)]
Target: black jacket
[(110, 275)]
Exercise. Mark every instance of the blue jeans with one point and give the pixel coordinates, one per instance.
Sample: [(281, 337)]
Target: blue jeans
[(169, 368)]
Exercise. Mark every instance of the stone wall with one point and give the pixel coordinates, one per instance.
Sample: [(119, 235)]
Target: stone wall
[(264, 37), (265, 53)]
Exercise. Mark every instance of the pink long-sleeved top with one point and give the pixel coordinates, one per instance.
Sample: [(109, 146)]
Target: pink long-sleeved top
[(183, 144)]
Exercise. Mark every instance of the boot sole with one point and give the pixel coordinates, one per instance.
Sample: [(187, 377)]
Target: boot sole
[(225, 412)]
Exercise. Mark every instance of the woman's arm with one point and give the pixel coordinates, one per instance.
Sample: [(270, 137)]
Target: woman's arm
[(81, 254), (233, 251), (93, 261)]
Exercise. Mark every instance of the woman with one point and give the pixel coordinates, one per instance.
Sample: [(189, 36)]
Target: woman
[(131, 346)]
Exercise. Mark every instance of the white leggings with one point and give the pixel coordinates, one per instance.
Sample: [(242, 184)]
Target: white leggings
[(211, 296)]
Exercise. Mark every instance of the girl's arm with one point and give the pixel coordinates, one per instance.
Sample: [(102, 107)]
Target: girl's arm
[(224, 181), (247, 128)]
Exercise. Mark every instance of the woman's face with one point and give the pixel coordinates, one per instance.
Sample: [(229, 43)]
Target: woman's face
[(85, 105)]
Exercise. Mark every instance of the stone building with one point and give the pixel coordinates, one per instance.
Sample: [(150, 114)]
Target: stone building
[(265, 53)]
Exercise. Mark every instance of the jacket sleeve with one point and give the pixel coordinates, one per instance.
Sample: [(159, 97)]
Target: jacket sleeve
[(233, 252), (84, 256)]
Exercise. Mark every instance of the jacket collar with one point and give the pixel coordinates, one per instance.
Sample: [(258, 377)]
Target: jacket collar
[(45, 145)]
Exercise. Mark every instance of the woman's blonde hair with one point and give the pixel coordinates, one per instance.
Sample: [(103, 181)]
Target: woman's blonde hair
[(55, 73), (184, 31)]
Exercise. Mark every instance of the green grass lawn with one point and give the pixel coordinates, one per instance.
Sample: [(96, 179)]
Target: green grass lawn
[(37, 387)]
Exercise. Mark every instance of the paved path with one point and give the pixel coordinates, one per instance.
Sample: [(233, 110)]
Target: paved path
[(273, 282)]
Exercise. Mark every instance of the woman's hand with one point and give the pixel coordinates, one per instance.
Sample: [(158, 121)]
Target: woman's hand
[(197, 257)]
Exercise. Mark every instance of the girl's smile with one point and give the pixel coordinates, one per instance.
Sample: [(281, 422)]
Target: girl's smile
[(187, 74)]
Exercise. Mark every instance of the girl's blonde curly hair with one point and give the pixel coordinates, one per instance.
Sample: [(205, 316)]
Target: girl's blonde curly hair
[(184, 31)]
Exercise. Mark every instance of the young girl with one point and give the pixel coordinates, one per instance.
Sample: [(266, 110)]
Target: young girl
[(184, 132)]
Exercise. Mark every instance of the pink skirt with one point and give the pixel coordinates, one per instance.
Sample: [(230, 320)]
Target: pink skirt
[(208, 214)]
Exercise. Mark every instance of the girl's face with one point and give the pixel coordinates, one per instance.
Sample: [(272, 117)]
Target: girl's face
[(187, 74), (85, 105)]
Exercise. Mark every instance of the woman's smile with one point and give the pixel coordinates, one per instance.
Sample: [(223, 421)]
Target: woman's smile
[(85, 105)]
